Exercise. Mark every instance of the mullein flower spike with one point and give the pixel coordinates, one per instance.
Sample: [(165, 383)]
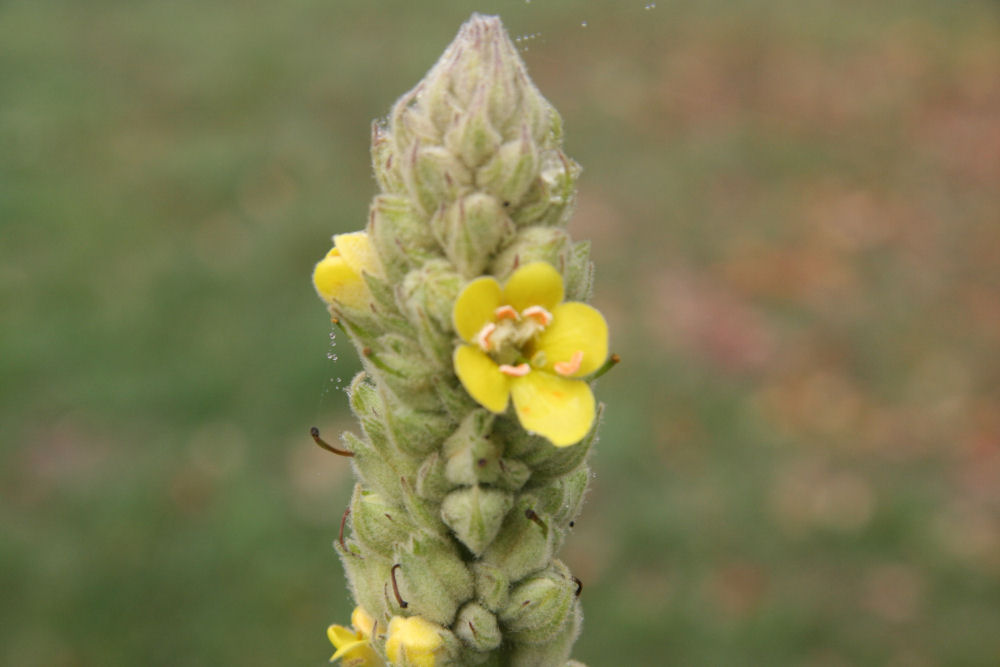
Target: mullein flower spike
[(465, 297)]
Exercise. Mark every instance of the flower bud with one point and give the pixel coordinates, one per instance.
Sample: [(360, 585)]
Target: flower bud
[(540, 606), (532, 244), (522, 546), (432, 579), (378, 524), (492, 586), (470, 230), (511, 171), (399, 235), (474, 514), (477, 627)]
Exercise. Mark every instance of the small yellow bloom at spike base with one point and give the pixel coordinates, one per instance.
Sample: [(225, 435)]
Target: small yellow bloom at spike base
[(338, 276), (353, 646), (413, 642), (524, 344)]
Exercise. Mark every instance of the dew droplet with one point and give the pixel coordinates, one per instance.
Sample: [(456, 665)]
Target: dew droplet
[(651, 5), (583, 24)]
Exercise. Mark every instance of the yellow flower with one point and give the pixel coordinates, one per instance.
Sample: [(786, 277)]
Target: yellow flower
[(413, 642), (337, 277), (524, 343), (353, 646)]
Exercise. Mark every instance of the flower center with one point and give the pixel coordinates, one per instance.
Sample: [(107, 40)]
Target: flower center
[(507, 338)]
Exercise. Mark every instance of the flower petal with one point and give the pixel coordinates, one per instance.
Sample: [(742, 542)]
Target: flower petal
[(475, 306), (341, 637), (358, 252), (575, 327), (535, 284), (362, 621), (558, 408), (482, 378), (335, 281)]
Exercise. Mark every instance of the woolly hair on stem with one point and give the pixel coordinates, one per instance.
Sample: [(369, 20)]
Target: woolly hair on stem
[(466, 299)]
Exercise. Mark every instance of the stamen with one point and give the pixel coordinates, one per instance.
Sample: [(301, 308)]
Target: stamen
[(483, 337), (571, 366), (515, 371), (541, 315), (506, 312)]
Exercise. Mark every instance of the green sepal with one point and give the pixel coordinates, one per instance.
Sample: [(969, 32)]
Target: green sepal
[(431, 484), (492, 586), (477, 627), (416, 432), (373, 467), (554, 652), (399, 235), (471, 456), (432, 579), (385, 306), (550, 199), (367, 574), (470, 231), (522, 546), (377, 523), (532, 244), (385, 165), (475, 514), (540, 606), (453, 397), (579, 273), (422, 512), (473, 136), (434, 176), (547, 462), (511, 171)]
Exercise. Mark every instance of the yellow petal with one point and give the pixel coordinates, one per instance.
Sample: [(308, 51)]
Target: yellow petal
[(358, 252), (340, 636), (414, 640), (558, 408), (334, 281), (482, 378), (575, 327), (362, 622), (535, 284), (475, 307)]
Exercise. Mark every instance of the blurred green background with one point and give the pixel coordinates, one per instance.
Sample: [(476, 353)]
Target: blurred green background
[(795, 210)]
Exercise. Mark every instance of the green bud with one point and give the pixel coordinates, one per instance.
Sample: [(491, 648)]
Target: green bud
[(492, 586), (532, 244), (432, 485), (471, 455), (511, 171), (475, 514), (472, 136), (553, 652), (477, 627), (373, 467), (470, 230), (384, 161), (399, 235), (428, 295), (432, 579), (434, 176), (522, 546), (416, 432), (377, 523), (540, 606), (551, 197), (367, 574)]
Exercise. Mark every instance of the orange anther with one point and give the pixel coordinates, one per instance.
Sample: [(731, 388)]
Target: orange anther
[(515, 371), (571, 366), (506, 313), (541, 315)]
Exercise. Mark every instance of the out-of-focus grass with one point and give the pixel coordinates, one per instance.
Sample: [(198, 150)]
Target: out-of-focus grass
[(794, 214)]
